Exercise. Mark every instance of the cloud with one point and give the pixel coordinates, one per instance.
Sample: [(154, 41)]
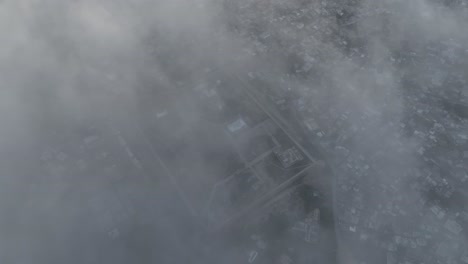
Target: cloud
[(70, 66)]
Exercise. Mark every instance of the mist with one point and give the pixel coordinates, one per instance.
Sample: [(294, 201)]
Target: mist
[(250, 131)]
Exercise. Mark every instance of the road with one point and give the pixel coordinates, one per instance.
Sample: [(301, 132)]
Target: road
[(291, 133), (295, 132)]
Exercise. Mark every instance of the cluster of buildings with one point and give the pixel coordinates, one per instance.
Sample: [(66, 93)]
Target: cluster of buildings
[(285, 230), (399, 181), (269, 160), (399, 164), (265, 199), (399, 161)]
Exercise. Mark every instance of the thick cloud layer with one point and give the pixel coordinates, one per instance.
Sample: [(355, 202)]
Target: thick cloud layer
[(67, 67)]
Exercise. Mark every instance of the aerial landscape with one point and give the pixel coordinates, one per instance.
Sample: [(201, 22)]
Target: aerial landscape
[(229, 132)]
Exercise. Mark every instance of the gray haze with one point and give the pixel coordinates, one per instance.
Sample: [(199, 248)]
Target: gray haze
[(73, 69)]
